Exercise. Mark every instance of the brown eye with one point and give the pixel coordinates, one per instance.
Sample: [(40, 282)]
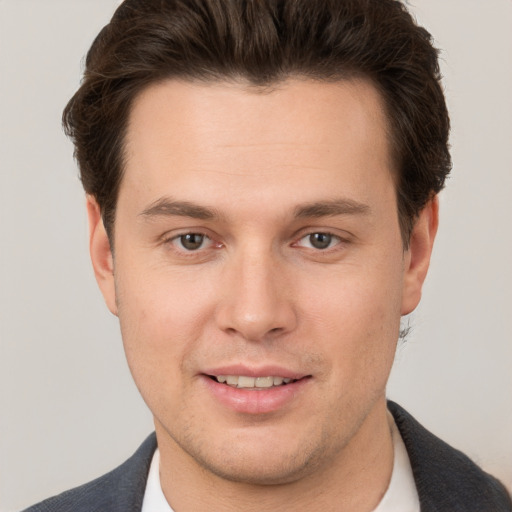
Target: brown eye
[(192, 241), (320, 240)]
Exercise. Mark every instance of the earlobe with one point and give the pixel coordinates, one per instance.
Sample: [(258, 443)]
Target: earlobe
[(417, 257), (101, 254)]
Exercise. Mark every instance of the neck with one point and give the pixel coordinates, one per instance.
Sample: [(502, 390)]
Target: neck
[(356, 478)]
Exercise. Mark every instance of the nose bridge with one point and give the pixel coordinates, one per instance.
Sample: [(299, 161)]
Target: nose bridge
[(256, 304)]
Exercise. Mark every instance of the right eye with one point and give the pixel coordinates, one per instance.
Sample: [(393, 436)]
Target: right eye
[(191, 241)]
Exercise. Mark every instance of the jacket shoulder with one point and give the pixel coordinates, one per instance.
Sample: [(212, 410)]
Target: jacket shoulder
[(120, 490), (446, 479)]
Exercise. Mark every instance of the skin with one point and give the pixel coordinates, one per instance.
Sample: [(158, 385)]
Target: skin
[(258, 292)]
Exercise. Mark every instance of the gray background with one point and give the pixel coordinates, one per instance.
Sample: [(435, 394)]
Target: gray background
[(68, 408)]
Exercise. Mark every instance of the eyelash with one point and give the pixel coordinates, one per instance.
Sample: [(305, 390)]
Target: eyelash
[(178, 239), (331, 237)]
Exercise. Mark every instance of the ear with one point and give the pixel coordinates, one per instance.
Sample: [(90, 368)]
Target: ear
[(101, 254), (417, 257)]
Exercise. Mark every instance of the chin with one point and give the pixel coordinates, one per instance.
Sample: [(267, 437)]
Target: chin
[(261, 473), (260, 462)]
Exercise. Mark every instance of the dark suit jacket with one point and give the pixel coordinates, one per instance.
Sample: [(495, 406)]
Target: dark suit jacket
[(447, 480)]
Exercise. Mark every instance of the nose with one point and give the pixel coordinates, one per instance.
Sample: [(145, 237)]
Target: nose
[(257, 299)]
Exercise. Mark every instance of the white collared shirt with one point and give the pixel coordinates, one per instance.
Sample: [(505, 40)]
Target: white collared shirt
[(154, 499), (401, 495)]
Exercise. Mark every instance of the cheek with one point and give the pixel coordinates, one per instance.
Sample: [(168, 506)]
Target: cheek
[(358, 318), (160, 303), (161, 322)]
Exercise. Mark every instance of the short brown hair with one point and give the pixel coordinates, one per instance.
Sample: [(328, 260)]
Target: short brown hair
[(263, 42)]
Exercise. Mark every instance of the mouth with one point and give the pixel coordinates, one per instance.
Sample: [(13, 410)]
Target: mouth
[(254, 392), (256, 383)]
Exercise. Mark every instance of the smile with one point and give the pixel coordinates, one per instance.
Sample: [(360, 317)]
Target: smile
[(255, 394), (247, 382)]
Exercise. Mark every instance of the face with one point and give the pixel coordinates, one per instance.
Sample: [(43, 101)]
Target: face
[(259, 273)]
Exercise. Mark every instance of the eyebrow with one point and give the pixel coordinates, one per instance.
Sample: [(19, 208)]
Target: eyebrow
[(332, 208), (166, 206)]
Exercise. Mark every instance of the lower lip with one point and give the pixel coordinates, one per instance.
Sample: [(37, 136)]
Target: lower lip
[(255, 401)]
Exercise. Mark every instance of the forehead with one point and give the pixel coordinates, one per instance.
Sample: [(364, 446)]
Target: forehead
[(301, 132)]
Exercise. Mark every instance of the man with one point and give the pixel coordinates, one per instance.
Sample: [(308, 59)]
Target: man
[(262, 184)]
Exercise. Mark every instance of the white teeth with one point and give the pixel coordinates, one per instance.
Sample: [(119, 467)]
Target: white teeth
[(243, 381), (246, 382), (264, 382), (232, 380)]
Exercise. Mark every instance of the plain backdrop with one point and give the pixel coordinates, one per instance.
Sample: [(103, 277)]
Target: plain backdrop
[(68, 408)]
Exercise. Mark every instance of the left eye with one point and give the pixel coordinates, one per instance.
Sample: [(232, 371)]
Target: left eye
[(191, 241), (320, 241)]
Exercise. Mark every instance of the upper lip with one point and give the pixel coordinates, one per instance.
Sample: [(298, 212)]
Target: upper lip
[(253, 371)]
